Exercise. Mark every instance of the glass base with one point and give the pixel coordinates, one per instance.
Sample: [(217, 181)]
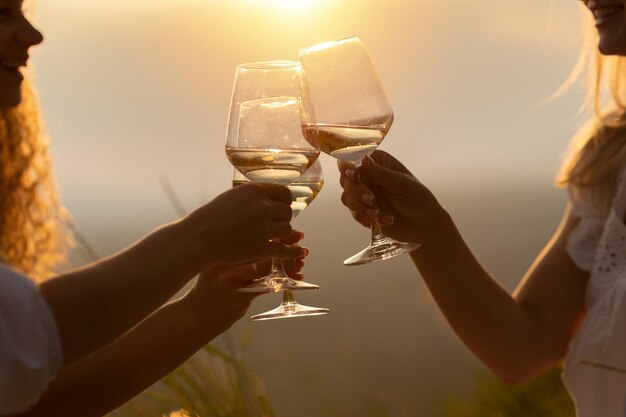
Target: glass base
[(380, 250), (290, 309), (276, 284)]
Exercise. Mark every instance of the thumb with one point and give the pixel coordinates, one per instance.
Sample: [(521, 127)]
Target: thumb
[(390, 180)]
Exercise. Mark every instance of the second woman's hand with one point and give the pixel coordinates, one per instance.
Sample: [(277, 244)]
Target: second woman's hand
[(406, 209), (216, 297)]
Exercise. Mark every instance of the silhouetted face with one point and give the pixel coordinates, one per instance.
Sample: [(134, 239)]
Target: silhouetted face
[(17, 35), (611, 24)]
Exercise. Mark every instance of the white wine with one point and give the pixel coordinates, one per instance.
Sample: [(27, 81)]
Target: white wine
[(277, 166), (302, 193), (350, 143)]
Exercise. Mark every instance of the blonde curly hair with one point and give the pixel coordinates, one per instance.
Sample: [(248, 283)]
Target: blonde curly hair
[(32, 231), (598, 151)]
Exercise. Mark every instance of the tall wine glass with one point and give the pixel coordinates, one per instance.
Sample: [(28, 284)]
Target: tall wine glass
[(353, 116), (303, 192), (270, 147), (263, 79)]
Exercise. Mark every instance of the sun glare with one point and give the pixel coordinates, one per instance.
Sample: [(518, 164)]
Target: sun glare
[(284, 4)]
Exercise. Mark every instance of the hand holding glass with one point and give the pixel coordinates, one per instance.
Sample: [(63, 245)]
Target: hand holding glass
[(303, 192)]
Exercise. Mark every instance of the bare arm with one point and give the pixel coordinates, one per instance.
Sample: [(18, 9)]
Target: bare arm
[(105, 299), (96, 304), (517, 336), (116, 373)]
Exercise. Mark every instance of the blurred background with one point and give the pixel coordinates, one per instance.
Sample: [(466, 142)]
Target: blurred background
[(132, 91)]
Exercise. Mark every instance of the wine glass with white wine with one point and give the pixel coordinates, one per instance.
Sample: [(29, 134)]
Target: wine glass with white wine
[(275, 82), (353, 116), (303, 192), (269, 146)]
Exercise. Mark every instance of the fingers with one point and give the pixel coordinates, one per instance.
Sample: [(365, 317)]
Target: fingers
[(294, 237), (358, 191), (281, 251), (279, 229), (281, 211), (365, 221), (242, 272), (276, 192), (359, 207), (392, 181), (387, 160), (346, 166), (259, 269), (380, 169), (293, 267), (357, 197)]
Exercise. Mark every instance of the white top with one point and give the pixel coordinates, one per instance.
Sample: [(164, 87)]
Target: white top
[(30, 348), (595, 366)]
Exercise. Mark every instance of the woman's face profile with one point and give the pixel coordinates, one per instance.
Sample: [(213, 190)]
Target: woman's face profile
[(17, 35), (610, 19)]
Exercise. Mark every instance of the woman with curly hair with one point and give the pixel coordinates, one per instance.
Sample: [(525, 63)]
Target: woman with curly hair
[(571, 304), (83, 342), (31, 222)]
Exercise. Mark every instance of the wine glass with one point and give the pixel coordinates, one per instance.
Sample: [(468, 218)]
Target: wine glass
[(258, 80), (353, 115), (263, 79), (269, 146), (303, 192)]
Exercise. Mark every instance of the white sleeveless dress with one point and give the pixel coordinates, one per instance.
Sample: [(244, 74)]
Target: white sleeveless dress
[(595, 366)]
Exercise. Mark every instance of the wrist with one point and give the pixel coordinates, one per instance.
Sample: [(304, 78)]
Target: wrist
[(436, 223), (194, 242), (198, 311), (436, 237)]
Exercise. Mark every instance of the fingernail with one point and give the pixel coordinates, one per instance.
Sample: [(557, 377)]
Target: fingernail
[(387, 219), (367, 199), (350, 173), (373, 213), (369, 161)]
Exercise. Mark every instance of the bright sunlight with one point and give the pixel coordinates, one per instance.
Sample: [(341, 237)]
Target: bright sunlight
[(291, 5)]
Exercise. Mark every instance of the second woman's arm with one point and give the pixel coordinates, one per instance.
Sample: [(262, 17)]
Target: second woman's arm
[(518, 335)]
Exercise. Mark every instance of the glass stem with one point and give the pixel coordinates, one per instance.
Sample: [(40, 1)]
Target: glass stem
[(277, 268), (288, 297), (278, 271), (377, 233)]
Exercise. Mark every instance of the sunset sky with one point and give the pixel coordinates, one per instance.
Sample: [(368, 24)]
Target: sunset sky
[(135, 90)]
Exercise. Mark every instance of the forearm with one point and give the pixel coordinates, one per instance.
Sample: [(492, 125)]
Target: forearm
[(116, 373), (482, 313), (96, 304), (517, 336)]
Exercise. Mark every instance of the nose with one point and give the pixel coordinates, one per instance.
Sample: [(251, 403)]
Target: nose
[(27, 34)]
